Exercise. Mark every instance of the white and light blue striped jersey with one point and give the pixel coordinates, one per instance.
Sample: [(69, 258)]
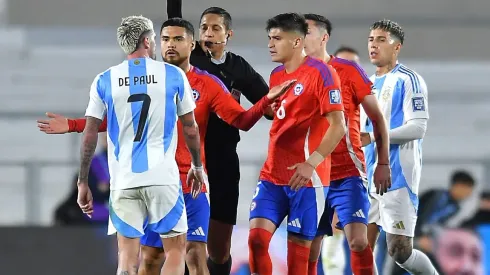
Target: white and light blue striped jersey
[(402, 96), (142, 98)]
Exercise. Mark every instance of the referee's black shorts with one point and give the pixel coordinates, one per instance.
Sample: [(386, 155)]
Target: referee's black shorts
[(223, 169)]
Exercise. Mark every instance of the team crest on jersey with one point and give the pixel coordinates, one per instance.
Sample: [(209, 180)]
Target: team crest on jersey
[(298, 89), (418, 104), (195, 94), (386, 93), (136, 62), (335, 97)]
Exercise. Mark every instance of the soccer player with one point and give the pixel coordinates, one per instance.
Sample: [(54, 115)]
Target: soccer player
[(402, 95), (347, 53), (210, 95), (306, 128), (347, 194), (223, 167), (142, 98)]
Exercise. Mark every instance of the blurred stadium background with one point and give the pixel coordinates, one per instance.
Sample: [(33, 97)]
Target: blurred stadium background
[(52, 49)]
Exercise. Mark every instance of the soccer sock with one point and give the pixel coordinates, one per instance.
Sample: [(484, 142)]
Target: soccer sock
[(297, 259), (219, 269), (258, 247), (418, 263), (312, 267), (362, 262)]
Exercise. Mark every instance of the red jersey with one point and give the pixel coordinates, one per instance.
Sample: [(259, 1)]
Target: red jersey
[(210, 95), (299, 123), (348, 157)]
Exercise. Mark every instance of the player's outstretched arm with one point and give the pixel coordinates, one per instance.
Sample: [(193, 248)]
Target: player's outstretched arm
[(58, 124), (382, 173), (233, 113)]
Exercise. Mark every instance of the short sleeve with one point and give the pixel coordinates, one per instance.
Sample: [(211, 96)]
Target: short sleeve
[(328, 91), (185, 101), (415, 105), (96, 106), (221, 101), (360, 82)]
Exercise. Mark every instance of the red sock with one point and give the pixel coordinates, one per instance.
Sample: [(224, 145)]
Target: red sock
[(362, 262), (258, 249), (297, 259), (312, 267)]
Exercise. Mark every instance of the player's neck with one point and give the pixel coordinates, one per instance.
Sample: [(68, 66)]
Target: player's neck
[(322, 55), (138, 54), (186, 65), (385, 69), (294, 62)]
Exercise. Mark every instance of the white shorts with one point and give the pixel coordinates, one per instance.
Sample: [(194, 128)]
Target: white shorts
[(394, 212), (160, 208)]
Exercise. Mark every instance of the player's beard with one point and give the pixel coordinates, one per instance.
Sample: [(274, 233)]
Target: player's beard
[(174, 60)]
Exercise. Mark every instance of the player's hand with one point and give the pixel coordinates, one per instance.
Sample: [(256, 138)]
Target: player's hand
[(195, 179), (382, 178), (303, 174), (85, 200), (279, 90), (365, 139), (56, 124)]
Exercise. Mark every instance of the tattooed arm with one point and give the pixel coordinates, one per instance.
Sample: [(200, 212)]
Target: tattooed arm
[(87, 150), (192, 138)]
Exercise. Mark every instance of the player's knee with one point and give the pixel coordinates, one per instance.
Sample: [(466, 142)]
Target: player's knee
[(357, 243), (259, 239), (196, 255), (399, 252), (152, 258)]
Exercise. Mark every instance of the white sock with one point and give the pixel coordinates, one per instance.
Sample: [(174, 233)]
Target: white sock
[(418, 263)]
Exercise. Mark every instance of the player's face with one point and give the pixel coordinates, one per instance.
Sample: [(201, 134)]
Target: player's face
[(213, 29), (315, 39), (383, 48), (459, 252), (282, 45), (152, 51), (349, 56), (176, 45)]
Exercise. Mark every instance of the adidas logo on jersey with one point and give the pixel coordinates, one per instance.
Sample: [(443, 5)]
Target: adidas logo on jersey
[(359, 214), (399, 225), (295, 223), (198, 232)]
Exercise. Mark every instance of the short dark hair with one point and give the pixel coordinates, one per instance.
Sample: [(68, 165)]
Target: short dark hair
[(390, 26), (221, 12), (288, 22), (179, 22), (320, 21), (346, 49), (462, 177)]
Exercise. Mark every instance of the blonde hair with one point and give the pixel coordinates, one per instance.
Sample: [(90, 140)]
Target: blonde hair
[(130, 31)]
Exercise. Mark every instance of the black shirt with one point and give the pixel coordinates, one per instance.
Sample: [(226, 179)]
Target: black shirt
[(436, 207), (240, 78)]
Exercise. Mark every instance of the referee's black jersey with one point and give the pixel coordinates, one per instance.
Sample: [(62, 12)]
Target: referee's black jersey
[(240, 78)]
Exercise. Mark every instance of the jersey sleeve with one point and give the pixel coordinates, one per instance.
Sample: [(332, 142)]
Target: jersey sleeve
[(360, 83), (328, 90), (415, 105), (185, 102), (96, 106), (221, 101)]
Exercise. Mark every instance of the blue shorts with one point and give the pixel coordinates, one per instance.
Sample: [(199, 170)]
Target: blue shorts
[(197, 221), (303, 208), (349, 198)]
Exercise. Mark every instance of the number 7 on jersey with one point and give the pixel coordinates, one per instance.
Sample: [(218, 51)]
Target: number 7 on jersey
[(143, 114)]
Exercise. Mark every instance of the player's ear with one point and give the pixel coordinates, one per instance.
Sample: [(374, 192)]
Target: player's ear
[(325, 38), (229, 34), (297, 43), (193, 45)]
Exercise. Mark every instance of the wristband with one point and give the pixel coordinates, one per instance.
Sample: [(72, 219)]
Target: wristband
[(196, 168), (315, 159), (383, 164)]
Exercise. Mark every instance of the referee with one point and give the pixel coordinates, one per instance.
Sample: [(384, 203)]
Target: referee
[(210, 54)]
